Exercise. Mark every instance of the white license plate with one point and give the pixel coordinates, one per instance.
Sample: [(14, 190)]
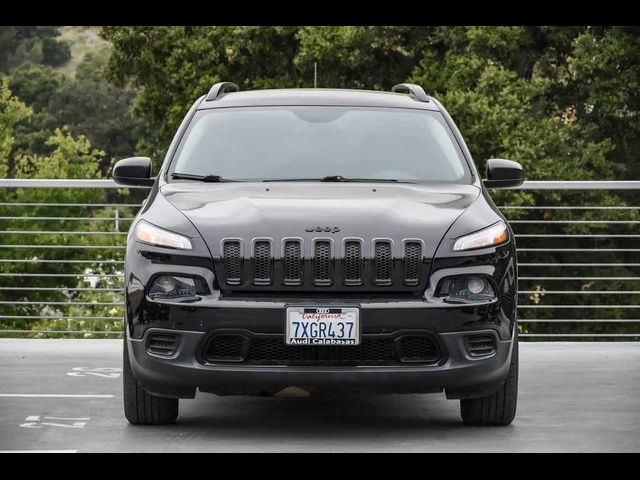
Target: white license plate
[(322, 326)]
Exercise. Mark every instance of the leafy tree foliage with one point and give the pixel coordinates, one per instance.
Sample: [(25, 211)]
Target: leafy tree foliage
[(20, 45), (12, 110), (172, 66), (87, 104), (605, 70), (67, 157)]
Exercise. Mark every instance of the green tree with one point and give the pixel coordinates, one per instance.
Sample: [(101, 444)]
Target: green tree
[(172, 66), (358, 56), (68, 157), (20, 45), (36, 84), (605, 74), (12, 110), (87, 104)]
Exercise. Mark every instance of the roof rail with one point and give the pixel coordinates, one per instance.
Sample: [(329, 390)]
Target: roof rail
[(220, 88), (416, 91)]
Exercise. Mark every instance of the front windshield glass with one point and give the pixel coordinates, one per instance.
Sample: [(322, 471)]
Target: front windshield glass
[(312, 142)]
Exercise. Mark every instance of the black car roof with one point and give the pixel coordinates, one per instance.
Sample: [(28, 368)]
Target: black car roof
[(317, 96)]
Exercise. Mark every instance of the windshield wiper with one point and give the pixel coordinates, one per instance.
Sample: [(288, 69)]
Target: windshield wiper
[(338, 178), (291, 180), (200, 178)]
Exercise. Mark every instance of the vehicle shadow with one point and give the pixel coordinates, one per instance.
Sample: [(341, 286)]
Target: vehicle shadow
[(327, 415), (340, 423)]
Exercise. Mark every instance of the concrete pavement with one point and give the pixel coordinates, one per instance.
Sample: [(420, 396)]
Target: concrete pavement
[(66, 395)]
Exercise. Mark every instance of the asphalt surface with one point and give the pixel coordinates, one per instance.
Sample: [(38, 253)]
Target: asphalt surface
[(573, 397)]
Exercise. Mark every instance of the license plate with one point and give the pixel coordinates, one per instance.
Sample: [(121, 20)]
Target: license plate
[(322, 326)]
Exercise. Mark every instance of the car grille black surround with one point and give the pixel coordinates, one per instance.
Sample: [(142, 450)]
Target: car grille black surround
[(292, 260), (232, 262), (262, 263), (412, 261), (382, 263), (322, 263), (353, 263), (265, 349), (326, 264)]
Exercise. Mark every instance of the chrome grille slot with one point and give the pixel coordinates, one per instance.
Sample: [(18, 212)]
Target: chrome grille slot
[(322, 263), (262, 263), (292, 260), (412, 261), (232, 262), (352, 263), (382, 263)]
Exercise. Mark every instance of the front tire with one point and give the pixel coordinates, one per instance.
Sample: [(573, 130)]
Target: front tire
[(499, 408), (140, 407)]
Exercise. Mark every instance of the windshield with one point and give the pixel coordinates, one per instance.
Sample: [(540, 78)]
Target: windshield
[(314, 142)]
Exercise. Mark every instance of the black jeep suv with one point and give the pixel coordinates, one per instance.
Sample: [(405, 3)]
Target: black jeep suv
[(324, 240)]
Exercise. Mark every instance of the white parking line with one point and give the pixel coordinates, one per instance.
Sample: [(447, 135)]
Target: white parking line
[(38, 451), (51, 395)]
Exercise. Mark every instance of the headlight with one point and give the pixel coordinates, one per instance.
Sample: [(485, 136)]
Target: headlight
[(147, 233), (493, 235), (472, 289)]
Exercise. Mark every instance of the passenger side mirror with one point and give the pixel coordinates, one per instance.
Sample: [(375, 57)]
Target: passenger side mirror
[(503, 173), (134, 171)]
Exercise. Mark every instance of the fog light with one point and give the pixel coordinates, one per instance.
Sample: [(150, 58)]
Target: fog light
[(463, 289), (166, 284), (170, 287), (476, 285)]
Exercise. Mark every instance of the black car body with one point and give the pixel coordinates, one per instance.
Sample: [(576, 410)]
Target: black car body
[(215, 261)]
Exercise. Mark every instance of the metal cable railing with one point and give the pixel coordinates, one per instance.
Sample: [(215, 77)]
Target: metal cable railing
[(61, 264)]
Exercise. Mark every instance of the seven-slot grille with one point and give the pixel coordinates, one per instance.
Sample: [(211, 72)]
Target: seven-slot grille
[(321, 265)]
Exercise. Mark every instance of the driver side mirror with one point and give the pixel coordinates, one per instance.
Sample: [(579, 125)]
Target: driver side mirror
[(134, 171), (503, 173)]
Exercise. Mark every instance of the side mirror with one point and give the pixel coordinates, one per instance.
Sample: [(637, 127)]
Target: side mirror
[(134, 171), (503, 173)]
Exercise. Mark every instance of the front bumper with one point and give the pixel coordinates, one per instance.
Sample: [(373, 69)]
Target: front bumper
[(179, 376)]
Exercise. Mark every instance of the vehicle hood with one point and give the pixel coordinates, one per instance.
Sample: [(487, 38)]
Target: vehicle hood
[(276, 211)]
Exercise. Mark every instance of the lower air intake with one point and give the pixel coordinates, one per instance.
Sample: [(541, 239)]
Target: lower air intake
[(162, 344), (271, 350), (480, 345)]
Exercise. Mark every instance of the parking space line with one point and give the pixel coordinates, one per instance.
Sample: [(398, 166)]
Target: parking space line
[(51, 395), (38, 451)]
